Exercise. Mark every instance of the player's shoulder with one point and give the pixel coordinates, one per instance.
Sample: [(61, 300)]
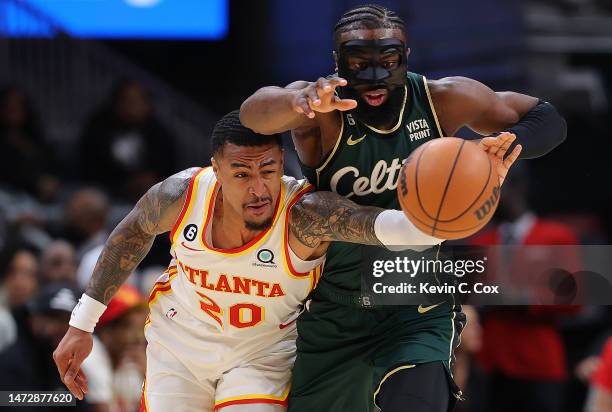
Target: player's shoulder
[(452, 85), (295, 186), (189, 173), (177, 184), (456, 91)]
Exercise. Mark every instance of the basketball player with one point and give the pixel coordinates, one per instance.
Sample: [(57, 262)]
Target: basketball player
[(352, 131), (247, 248)]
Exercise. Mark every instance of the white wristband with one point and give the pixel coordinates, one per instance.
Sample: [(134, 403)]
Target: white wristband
[(86, 313), (393, 228)]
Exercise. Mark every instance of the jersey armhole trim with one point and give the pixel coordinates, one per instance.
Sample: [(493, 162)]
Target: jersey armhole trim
[(187, 205), (286, 254), (432, 108), (315, 273)]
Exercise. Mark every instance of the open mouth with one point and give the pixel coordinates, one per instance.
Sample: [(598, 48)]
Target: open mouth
[(375, 97), (258, 208)]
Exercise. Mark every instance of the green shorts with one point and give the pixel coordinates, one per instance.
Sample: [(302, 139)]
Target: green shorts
[(344, 353)]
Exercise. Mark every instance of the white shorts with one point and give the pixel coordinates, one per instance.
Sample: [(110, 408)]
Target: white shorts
[(192, 367)]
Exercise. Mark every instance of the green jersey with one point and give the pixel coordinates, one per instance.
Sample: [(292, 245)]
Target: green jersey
[(364, 166)]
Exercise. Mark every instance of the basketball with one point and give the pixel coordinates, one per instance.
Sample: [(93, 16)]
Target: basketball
[(448, 188)]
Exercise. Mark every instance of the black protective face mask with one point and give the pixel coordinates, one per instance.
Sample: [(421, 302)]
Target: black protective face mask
[(374, 76)]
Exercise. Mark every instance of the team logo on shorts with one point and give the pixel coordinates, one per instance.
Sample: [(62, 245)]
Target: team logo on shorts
[(265, 257), (190, 232)]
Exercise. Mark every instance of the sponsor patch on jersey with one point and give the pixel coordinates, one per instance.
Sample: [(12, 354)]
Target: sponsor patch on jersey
[(265, 258)]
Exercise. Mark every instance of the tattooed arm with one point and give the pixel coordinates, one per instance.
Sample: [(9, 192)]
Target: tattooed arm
[(321, 217), (155, 213)]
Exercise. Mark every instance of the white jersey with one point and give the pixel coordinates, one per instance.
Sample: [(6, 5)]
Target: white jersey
[(256, 288)]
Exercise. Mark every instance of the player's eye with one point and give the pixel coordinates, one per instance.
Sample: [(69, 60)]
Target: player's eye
[(357, 65), (390, 63), (268, 172), (240, 175)]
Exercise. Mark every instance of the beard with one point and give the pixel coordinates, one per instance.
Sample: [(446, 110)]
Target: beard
[(256, 226), (265, 224), (376, 116)]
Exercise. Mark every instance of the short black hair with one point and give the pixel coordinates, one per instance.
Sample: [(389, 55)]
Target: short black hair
[(230, 130), (369, 16), (10, 250)]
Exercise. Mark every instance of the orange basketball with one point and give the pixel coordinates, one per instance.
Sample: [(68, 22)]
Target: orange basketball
[(448, 188)]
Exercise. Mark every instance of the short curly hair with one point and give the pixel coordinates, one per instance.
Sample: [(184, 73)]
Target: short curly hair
[(230, 130)]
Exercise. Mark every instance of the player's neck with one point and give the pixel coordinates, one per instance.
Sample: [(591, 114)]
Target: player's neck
[(228, 228)]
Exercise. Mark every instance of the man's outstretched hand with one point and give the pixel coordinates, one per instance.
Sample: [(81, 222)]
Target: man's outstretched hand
[(320, 97), (497, 147), (74, 347)]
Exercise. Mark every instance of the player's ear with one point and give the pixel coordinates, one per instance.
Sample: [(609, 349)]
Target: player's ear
[(335, 58), (215, 166), (408, 50), (282, 162)]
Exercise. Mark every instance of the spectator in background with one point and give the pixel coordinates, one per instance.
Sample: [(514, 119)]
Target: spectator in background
[(124, 147), (18, 284), (58, 263), (18, 275), (25, 159), (85, 218), (28, 364), (523, 351), (115, 369), (600, 395)]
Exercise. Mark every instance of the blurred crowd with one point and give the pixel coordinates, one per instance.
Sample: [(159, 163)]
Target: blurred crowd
[(55, 217), (54, 220)]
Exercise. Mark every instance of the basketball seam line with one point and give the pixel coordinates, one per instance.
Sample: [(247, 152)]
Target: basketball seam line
[(428, 226), (450, 177), (416, 183), (469, 208)]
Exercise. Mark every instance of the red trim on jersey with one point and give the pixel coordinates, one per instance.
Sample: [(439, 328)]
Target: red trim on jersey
[(160, 287), (297, 197), (186, 204), (244, 247), (143, 402), (249, 401)]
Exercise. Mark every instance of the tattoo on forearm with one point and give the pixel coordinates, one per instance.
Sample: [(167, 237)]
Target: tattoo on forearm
[(132, 239), (325, 216)]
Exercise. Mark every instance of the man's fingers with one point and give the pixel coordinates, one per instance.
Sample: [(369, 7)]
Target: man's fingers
[(302, 106), (492, 144), (511, 158), (81, 381), (327, 86), (337, 81), (507, 141), (312, 96), (323, 87), (344, 104), (61, 362), (74, 367), (73, 387), (69, 379)]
